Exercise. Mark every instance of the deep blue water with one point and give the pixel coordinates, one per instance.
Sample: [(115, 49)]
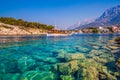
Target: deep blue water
[(21, 58)]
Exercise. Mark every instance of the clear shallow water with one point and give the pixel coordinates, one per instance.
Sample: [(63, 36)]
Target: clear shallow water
[(82, 57)]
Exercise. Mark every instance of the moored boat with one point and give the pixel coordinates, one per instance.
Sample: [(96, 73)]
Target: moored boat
[(57, 34)]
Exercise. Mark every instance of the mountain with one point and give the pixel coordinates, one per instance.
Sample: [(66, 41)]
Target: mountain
[(86, 21), (108, 18), (74, 26)]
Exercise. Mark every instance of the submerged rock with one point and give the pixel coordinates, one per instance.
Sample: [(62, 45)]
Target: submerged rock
[(50, 60), (64, 68), (89, 63), (92, 70), (25, 63), (95, 53), (105, 74), (69, 67), (113, 47), (106, 47), (96, 47), (67, 77), (82, 49), (118, 65), (55, 68), (101, 60), (61, 55), (117, 40), (55, 53), (65, 57), (88, 73), (44, 67), (100, 56), (114, 51), (35, 75), (76, 56)]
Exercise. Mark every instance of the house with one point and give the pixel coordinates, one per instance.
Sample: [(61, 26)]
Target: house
[(103, 30)]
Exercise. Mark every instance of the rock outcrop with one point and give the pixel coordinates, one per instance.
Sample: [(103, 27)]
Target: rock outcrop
[(6, 29)]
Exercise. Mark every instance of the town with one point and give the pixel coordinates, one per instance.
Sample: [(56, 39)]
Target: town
[(99, 30)]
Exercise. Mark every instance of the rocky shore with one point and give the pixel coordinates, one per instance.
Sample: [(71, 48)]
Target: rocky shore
[(6, 29)]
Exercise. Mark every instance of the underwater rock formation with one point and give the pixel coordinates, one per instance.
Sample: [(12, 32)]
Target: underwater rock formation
[(88, 73), (75, 56), (82, 49), (100, 56), (69, 67), (35, 75), (117, 40), (25, 63), (118, 63), (67, 77)]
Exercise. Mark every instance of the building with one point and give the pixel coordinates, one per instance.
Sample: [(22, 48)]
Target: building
[(116, 29)]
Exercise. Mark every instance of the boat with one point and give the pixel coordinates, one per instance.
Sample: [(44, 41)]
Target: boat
[(58, 34)]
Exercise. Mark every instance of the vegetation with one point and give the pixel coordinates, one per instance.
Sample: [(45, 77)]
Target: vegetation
[(110, 29), (25, 24), (94, 30), (7, 27)]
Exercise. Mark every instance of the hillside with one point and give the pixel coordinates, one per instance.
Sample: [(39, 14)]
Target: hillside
[(108, 18), (11, 26)]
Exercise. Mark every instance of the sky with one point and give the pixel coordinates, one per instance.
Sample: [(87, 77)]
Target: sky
[(61, 13)]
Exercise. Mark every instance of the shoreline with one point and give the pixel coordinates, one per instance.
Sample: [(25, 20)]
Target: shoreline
[(21, 35), (45, 34)]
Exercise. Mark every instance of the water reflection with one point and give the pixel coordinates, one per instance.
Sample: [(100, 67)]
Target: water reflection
[(8, 39)]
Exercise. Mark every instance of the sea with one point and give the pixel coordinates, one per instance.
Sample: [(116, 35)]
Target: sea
[(75, 57)]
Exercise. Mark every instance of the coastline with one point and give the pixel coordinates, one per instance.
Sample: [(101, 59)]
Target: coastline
[(45, 34), (21, 35)]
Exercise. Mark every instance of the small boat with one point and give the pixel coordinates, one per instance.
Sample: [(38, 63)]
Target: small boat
[(57, 34)]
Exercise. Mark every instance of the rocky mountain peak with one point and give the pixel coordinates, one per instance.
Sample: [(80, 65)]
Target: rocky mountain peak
[(110, 17), (109, 14)]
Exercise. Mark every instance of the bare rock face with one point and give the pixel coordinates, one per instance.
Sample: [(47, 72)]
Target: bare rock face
[(110, 17)]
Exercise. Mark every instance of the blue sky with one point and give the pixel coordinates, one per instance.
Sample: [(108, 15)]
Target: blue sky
[(63, 13)]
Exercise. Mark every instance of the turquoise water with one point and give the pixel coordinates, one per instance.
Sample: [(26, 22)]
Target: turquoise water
[(81, 57)]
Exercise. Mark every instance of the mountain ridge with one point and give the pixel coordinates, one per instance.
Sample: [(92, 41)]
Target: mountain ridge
[(110, 17)]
